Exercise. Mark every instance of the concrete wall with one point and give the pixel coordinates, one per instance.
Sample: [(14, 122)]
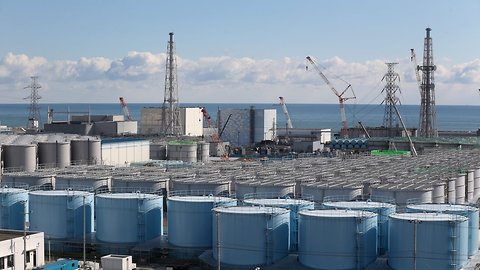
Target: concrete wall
[(14, 247), (64, 127), (124, 152), (190, 119)]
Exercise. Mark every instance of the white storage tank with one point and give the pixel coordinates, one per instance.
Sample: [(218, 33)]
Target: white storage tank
[(12, 208), (184, 150), (97, 182), (152, 183), (321, 190), (203, 152), (54, 154), (282, 188), (190, 218), (128, 217), (337, 239), (20, 157), (292, 204), (46, 181), (214, 186), (59, 213), (428, 240), (463, 210), (382, 209), (250, 235), (158, 151)]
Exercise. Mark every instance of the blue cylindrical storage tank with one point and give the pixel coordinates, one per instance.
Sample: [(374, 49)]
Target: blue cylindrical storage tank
[(190, 219), (12, 208), (463, 210), (59, 213), (294, 205), (441, 241), (337, 239), (128, 217), (383, 210), (250, 235)]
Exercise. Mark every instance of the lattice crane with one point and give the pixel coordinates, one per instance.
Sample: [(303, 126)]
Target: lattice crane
[(214, 137), (413, 58), (285, 111), (341, 98), (126, 112)]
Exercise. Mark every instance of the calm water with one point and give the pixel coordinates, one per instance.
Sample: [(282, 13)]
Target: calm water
[(462, 118)]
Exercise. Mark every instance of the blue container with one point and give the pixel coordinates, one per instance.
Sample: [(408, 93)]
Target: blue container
[(12, 208), (190, 219), (383, 210), (463, 210), (337, 239), (441, 241), (128, 217), (250, 235), (294, 205), (59, 213)]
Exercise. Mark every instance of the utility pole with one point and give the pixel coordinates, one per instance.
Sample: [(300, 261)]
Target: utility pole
[(390, 121), (34, 112), (170, 110), (428, 116)]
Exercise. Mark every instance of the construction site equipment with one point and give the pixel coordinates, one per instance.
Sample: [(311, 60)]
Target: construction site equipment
[(285, 111), (215, 137), (126, 112), (340, 95)]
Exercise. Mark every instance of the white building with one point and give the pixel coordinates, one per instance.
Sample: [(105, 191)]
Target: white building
[(121, 152), (12, 247), (247, 126), (190, 120)]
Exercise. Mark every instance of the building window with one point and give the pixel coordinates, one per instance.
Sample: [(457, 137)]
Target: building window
[(10, 261), (2, 263)]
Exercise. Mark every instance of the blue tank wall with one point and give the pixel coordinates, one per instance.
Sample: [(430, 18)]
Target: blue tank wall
[(251, 238), (294, 209), (439, 243), (128, 217), (12, 208), (332, 242), (190, 221), (59, 213), (467, 211), (383, 220)]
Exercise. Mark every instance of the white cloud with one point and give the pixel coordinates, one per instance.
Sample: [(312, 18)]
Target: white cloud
[(140, 77)]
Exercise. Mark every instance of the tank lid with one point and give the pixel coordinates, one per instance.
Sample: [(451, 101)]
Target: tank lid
[(277, 202), (200, 199), (428, 217), (60, 193), (121, 196), (338, 213), (12, 190), (441, 207), (359, 204), (251, 210)]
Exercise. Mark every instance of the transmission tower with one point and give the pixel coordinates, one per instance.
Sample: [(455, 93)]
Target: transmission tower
[(428, 117), (34, 112), (170, 110), (390, 120)]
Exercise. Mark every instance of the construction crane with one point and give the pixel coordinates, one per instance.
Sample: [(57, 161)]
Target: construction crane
[(214, 137), (413, 58), (126, 112), (341, 98), (285, 111)]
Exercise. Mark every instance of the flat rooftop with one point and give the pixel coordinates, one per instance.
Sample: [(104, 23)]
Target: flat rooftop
[(10, 234)]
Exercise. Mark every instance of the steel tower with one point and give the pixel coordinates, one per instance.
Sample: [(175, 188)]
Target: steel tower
[(390, 120), (34, 112), (428, 117), (170, 110)]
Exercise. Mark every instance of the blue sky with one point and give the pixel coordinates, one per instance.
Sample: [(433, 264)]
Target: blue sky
[(233, 51)]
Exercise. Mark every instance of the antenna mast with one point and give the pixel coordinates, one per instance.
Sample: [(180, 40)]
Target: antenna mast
[(428, 116), (170, 112), (34, 112)]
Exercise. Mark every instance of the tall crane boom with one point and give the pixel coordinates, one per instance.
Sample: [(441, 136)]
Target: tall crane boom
[(285, 111), (413, 58), (341, 98), (126, 112)]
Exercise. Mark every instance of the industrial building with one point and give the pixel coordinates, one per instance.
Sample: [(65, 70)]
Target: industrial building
[(190, 121), (12, 247), (102, 125), (247, 126), (123, 151)]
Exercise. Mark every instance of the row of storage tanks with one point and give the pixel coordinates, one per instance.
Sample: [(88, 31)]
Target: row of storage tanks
[(259, 230), (184, 150), (27, 152)]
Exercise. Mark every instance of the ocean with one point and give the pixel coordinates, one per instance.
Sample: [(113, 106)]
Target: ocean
[(449, 118)]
